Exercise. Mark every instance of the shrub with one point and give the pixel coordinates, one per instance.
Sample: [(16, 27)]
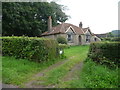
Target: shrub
[(61, 40), (105, 53), (32, 48)]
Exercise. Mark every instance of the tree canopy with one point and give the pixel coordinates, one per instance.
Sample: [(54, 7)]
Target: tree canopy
[(29, 18)]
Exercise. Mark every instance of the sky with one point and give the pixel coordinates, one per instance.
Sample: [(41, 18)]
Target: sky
[(100, 15)]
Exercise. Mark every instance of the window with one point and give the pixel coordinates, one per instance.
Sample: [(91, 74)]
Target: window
[(69, 37), (87, 38)]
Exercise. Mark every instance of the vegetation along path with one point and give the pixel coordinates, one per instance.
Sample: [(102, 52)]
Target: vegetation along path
[(62, 72)]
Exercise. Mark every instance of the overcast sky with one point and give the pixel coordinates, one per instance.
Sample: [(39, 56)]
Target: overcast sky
[(100, 15)]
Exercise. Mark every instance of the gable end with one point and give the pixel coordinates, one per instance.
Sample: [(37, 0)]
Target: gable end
[(70, 28)]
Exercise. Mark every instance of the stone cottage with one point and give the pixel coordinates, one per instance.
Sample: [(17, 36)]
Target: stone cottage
[(73, 34)]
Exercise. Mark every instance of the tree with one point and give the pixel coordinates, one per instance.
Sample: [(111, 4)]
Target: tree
[(29, 18)]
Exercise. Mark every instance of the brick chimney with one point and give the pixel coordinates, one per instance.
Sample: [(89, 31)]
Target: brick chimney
[(49, 24), (80, 25)]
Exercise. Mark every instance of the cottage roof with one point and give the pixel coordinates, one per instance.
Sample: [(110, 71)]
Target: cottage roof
[(101, 35), (84, 29), (62, 28), (88, 29)]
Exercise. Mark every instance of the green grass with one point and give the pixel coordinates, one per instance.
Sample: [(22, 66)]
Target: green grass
[(75, 55), (94, 76), (19, 71), (99, 76)]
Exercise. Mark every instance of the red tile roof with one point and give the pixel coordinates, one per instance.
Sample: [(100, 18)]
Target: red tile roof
[(61, 28)]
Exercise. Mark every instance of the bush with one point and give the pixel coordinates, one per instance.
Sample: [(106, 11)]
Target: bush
[(31, 48), (61, 40), (105, 53)]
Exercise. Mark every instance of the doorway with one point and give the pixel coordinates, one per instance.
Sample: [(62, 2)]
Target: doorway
[(79, 38)]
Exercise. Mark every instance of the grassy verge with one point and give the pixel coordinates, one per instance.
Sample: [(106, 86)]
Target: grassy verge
[(75, 55), (99, 76), (94, 76), (19, 71)]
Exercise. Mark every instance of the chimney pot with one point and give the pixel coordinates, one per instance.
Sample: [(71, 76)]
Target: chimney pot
[(80, 25)]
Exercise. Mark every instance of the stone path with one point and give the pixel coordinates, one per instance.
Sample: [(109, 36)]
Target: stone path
[(71, 73), (31, 83), (67, 77)]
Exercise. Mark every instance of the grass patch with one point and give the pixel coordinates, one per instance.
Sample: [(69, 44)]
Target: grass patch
[(99, 76), (19, 71), (95, 76), (75, 55)]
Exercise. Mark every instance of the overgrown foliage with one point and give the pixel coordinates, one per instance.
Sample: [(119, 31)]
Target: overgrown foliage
[(32, 48), (95, 75), (29, 18), (105, 53), (61, 40)]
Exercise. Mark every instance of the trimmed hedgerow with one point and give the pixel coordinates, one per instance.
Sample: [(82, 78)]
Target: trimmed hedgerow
[(105, 53), (31, 48), (113, 39)]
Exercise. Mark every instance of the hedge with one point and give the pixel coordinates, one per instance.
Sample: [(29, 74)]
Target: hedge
[(31, 48), (113, 39), (105, 53)]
